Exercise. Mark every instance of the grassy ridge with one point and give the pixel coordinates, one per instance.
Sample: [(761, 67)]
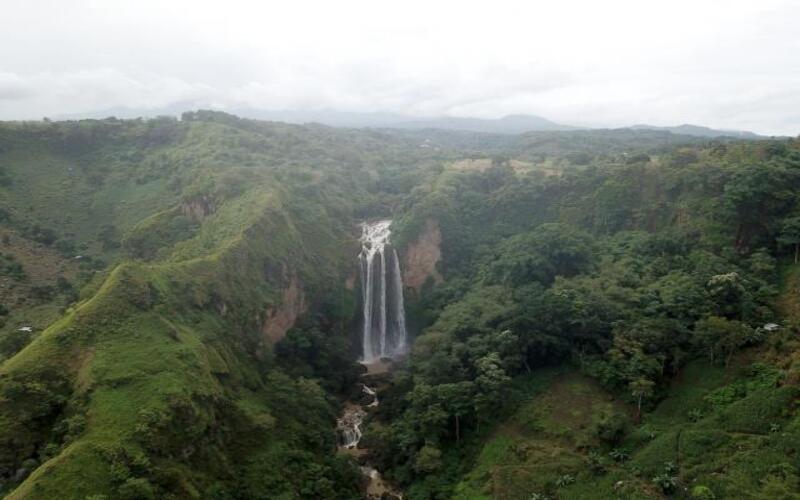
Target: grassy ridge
[(159, 383), (141, 347)]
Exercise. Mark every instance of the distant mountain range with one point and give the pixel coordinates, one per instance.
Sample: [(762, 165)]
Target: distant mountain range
[(699, 131), (511, 124)]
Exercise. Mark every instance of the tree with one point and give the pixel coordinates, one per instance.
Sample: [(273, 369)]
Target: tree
[(137, 489), (641, 388), (790, 235), (729, 293), (720, 335), (627, 361), (656, 338), (677, 295), (427, 413), (457, 400), (755, 194), (762, 264), (491, 383), (548, 251), (428, 459)]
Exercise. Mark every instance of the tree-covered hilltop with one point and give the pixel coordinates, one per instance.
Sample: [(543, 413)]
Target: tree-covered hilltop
[(179, 316), (629, 270)]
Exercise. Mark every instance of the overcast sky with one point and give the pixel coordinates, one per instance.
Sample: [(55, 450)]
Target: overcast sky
[(726, 63)]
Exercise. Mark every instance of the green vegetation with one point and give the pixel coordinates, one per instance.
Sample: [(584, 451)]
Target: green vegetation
[(600, 332), (158, 382), (625, 268)]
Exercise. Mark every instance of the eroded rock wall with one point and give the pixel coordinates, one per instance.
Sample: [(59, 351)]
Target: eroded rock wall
[(281, 317), (422, 256)]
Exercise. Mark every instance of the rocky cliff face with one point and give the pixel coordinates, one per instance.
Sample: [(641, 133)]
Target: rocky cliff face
[(198, 208), (280, 318), (422, 256)]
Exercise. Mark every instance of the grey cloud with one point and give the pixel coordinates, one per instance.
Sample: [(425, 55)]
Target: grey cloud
[(731, 64), (12, 88), (10, 93)]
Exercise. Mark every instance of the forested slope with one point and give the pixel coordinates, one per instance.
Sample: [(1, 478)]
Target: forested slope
[(655, 274), (160, 378), (595, 315)]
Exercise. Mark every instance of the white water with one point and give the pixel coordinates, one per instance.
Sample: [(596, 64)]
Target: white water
[(372, 393), (384, 322), (349, 424), (377, 487), (349, 427), (399, 307)]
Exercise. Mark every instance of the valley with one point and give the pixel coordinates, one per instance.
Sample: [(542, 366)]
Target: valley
[(238, 309)]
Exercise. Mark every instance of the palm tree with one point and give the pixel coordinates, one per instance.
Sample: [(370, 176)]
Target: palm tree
[(640, 389)]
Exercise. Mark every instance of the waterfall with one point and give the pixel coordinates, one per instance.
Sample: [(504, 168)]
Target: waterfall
[(349, 424), (399, 307), (371, 392), (384, 322), (349, 427)]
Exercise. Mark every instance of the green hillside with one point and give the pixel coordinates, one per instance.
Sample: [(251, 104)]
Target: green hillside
[(652, 276), (599, 331), (157, 380)]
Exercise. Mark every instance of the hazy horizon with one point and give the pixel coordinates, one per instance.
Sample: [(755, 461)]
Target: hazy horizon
[(727, 65)]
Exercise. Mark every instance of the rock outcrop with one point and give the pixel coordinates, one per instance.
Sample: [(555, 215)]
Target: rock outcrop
[(281, 317), (422, 256), (198, 208)]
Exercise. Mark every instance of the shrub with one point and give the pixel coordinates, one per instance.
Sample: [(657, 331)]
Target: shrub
[(42, 293), (9, 267), (611, 427), (695, 414), (428, 459), (702, 493), (758, 411), (595, 463), (666, 482), (565, 480), (109, 237), (137, 489), (618, 455), (12, 342)]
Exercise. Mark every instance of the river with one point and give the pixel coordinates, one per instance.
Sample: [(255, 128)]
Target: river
[(350, 431)]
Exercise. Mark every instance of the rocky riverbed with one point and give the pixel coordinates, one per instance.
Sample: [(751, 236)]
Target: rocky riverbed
[(350, 428)]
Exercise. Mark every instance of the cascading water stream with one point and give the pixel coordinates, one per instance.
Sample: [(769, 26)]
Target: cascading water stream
[(384, 322), (374, 395), (349, 424), (349, 429)]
